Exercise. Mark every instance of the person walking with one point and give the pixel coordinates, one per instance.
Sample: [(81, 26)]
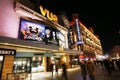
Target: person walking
[(108, 65), (118, 63), (52, 68), (64, 74), (91, 69), (83, 69), (56, 68)]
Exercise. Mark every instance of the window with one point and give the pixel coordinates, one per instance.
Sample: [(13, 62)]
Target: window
[(37, 64), (21, 65)]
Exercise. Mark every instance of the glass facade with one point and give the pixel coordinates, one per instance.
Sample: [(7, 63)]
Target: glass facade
[(37, 64), (22, 65), (34, 64)]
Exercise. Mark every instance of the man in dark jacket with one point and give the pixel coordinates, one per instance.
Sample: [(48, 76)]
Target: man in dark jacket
[(64, 68), (83, 69), (91, 69)]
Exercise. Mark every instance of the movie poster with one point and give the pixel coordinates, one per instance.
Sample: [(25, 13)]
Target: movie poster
[(31, 31), (38, 32), (51, 35)]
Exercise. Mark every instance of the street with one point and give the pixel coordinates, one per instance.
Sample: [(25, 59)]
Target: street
[(75, 74)]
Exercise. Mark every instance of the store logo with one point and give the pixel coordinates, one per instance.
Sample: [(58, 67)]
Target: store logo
[(48, 14), (6, 52)]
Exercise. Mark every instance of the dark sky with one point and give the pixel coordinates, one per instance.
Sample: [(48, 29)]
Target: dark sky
[(104, 17)]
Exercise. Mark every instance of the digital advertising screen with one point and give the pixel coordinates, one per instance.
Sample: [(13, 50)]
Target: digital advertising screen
[(61, 39), (31, 31), (37, 32), (51, 35)]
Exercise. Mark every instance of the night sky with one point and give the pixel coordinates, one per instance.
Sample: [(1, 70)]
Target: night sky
[(104, 17)]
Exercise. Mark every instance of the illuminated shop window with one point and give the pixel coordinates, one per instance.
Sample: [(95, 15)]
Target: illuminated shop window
[(21, 65), (37, 64)]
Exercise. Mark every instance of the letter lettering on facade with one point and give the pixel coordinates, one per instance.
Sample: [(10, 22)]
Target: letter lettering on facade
[(44, 12), (55, 17), (48, 14)]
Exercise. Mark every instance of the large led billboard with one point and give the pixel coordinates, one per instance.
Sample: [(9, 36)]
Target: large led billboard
[(37, 32), (31, 31), (51, 35), (61, 39)]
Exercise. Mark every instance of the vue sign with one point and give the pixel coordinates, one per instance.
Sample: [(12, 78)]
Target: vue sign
[(49, 14)]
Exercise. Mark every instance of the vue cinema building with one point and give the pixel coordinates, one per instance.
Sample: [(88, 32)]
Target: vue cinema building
[(30, 41)]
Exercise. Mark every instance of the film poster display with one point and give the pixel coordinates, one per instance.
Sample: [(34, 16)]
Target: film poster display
[(38, 32)]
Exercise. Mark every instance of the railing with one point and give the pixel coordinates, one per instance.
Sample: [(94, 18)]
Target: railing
[(17, 76)]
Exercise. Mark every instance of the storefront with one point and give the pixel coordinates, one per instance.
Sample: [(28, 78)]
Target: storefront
[(31, 62), (35, 39), (26, 59), (6, 61)]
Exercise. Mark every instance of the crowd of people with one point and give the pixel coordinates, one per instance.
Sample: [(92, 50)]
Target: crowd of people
[(109, 64), (88, 67)]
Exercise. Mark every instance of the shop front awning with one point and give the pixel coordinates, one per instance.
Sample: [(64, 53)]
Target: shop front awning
[(26, 46), (29, 46)]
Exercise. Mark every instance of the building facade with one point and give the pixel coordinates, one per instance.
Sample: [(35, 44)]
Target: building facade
[(30, 41), (32, 37), (84, 39)]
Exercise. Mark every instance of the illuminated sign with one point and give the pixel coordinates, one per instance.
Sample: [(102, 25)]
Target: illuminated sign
[(79, 40), (7, 52), (61, 40), (37, 32), (49, 14), (31, 31)]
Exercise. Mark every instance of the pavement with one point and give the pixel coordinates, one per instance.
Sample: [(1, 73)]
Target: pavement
[(75, 74), (102, 74)]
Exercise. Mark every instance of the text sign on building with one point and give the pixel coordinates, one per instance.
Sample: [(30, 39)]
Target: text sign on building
[(79, 40), (7, 51), (48, 14)]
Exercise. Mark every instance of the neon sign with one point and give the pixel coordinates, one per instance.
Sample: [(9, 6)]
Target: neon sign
[(79, 40), (47, 13)]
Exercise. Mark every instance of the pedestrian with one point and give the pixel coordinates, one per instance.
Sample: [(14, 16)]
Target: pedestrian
[(108, 65), (118, 63), (64, 73), (56, 68), (51, 68), (91, 69), (83, 69)]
